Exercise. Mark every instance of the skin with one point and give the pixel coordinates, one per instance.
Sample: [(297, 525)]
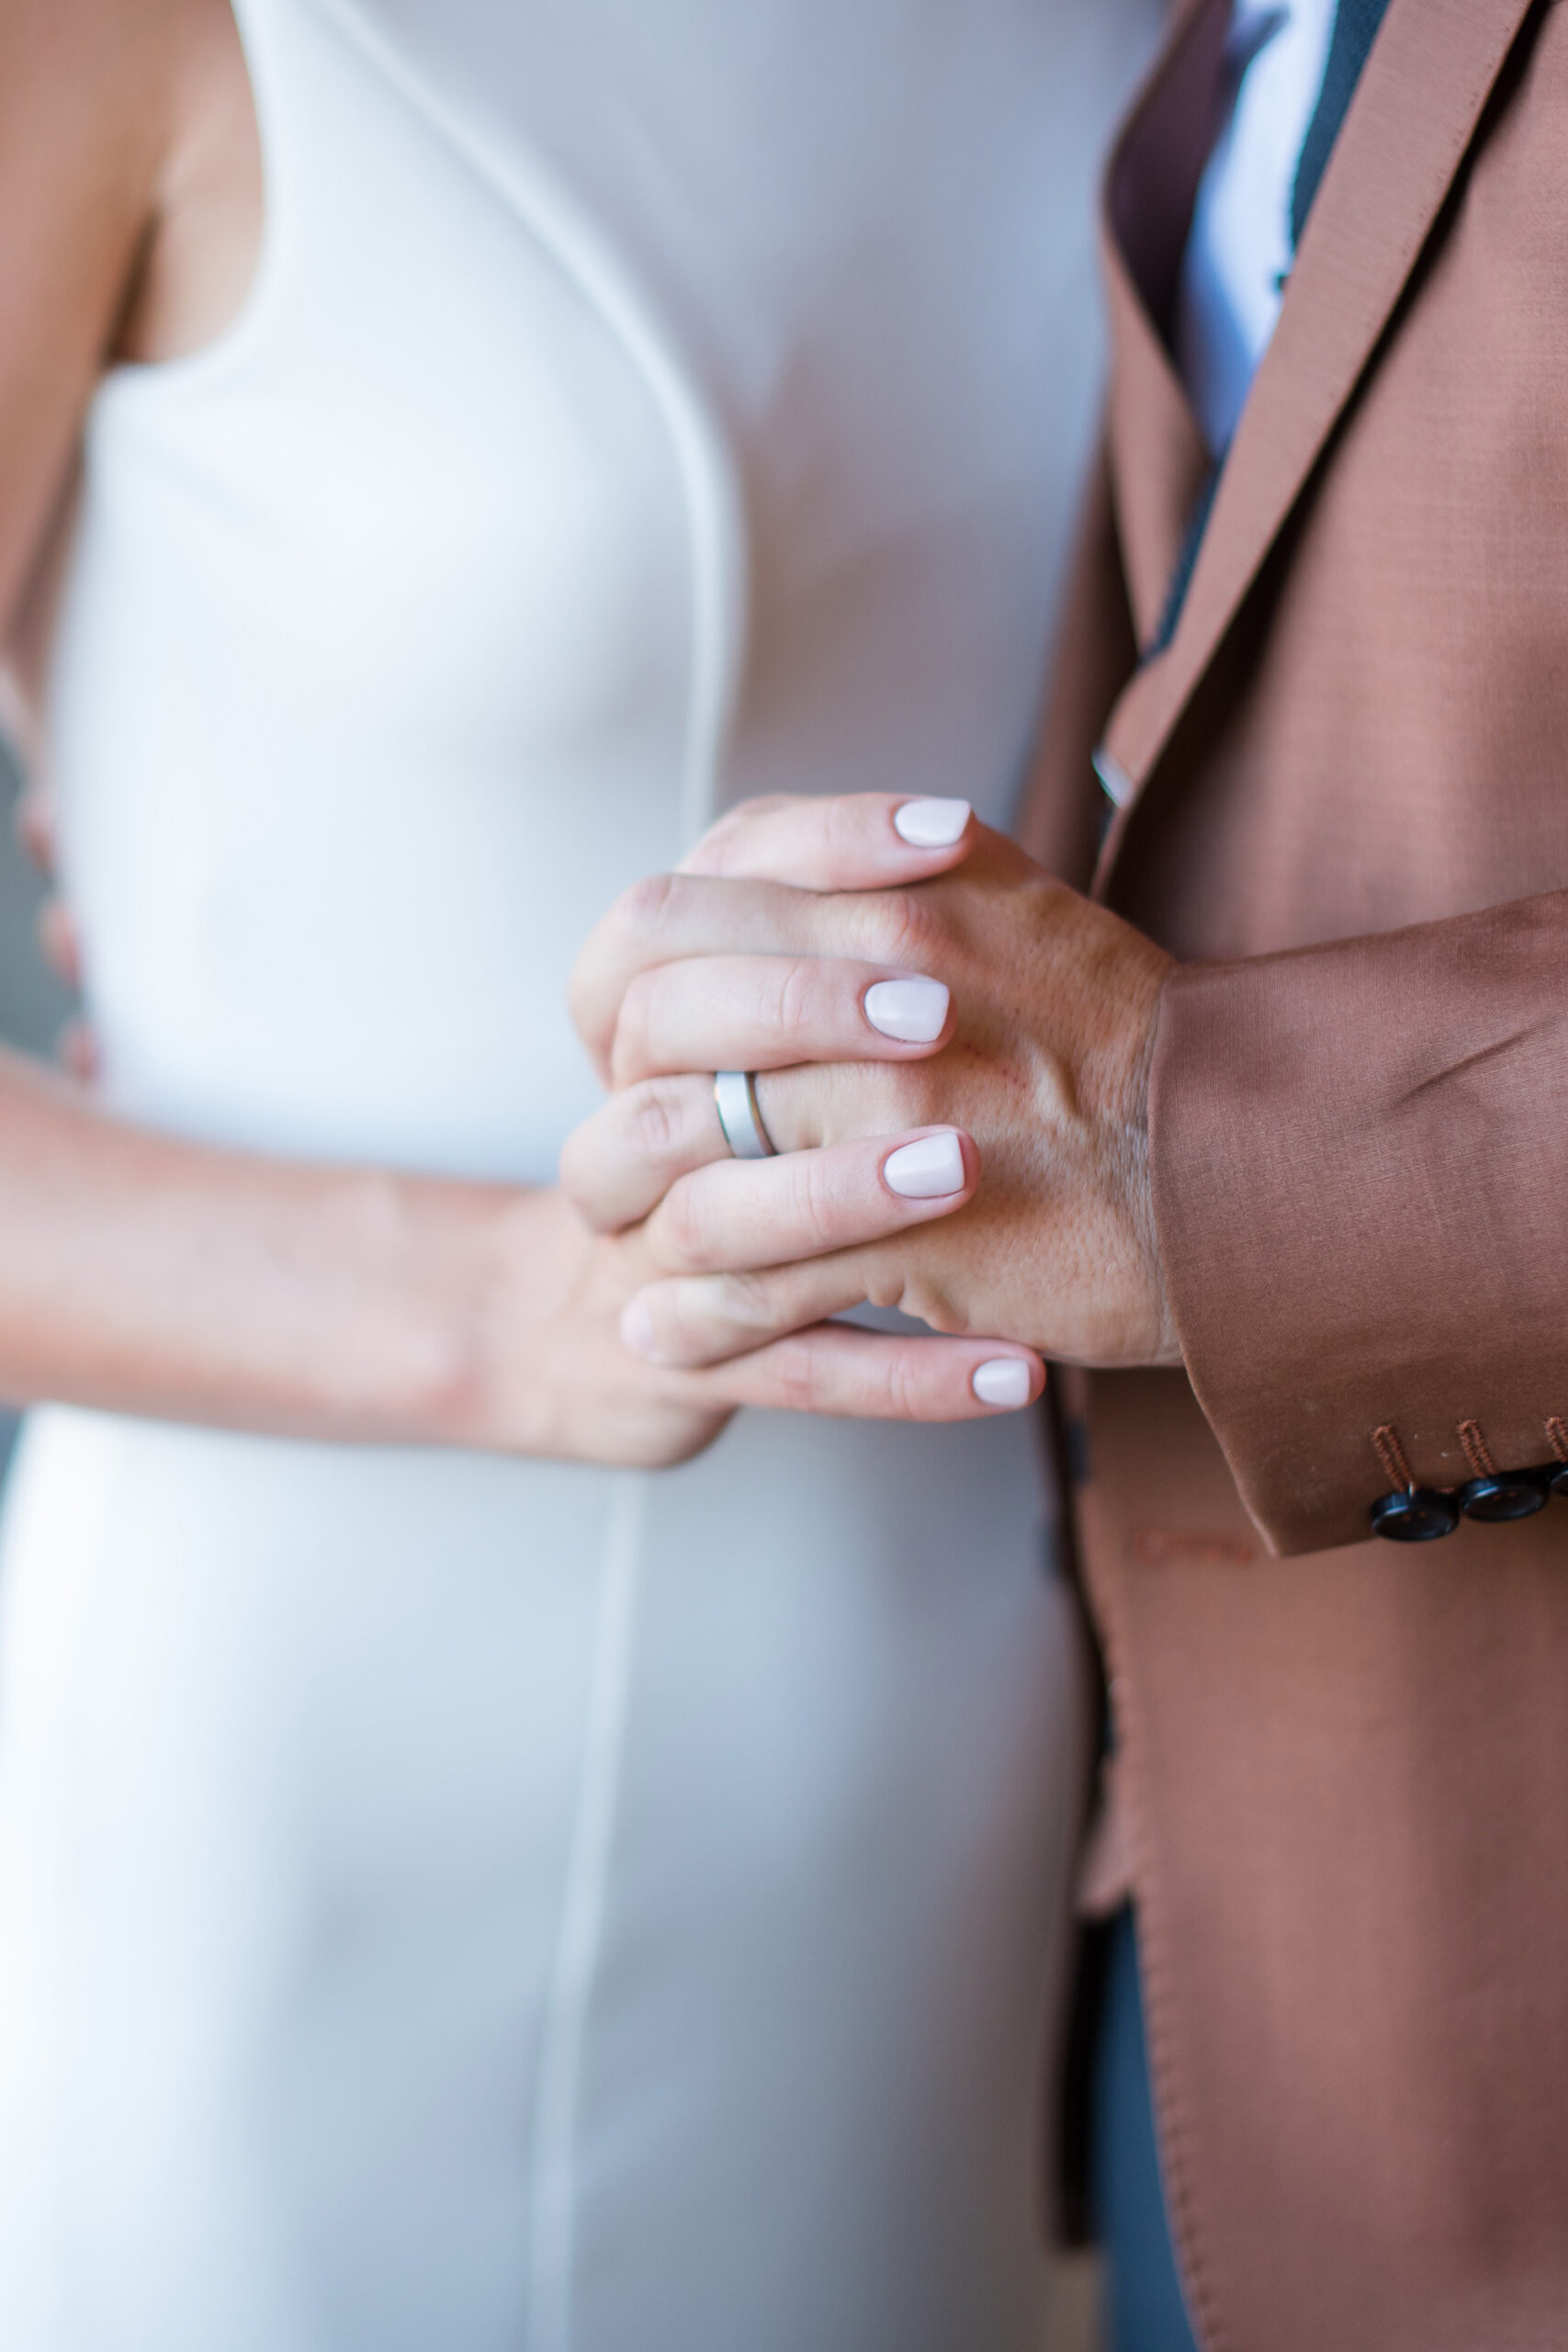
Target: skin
[(759, 956), (150, 1275)]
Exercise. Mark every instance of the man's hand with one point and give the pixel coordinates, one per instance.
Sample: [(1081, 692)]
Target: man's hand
[(1027, 1041)]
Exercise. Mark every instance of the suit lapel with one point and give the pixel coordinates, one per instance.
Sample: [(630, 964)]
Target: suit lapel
[(1409, 125), (1158, 460)]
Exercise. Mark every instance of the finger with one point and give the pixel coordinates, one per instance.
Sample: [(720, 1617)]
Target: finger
[(689, 1321), (617, 1165), (771, 1011), (620, 1164), (834, 1369), (59, 943), (742, 1213), (861, 841), (674, 917)]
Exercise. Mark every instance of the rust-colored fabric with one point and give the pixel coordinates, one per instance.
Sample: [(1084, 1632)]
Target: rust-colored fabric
[(1378, 740), (1347, 814), (1160, 460), (1389, 1215), (1061, 822), (1351, 1871)]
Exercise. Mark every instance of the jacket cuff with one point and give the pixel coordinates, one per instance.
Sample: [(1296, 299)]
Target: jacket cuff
[(1361, 1168)]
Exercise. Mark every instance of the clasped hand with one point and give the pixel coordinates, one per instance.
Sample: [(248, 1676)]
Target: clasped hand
[(953, 1054)]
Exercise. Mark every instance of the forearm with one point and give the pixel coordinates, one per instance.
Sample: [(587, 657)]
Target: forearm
[(148, 1274), (1358, 1160)]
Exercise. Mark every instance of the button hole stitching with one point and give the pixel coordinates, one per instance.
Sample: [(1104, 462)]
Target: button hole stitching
[(1391, 1453), (1477, 1452)]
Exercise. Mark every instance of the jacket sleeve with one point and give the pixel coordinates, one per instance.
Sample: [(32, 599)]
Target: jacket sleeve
[(1360, 1175)]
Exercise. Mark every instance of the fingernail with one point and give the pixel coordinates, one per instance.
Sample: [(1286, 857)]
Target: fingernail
[(915, 1011), (931, 824), (927, 1169), (1003, 1381), (636, 1331)]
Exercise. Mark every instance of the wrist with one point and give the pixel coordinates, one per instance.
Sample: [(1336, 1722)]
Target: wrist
[(1148, 1335), (439, 1263), (501, 1296), (1164, 1346)]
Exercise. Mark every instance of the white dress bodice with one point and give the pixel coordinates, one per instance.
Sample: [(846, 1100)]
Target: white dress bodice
[(456, 1904), (635, 409)]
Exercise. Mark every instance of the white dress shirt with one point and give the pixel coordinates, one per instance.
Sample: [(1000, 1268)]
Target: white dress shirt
[(1239, 251)]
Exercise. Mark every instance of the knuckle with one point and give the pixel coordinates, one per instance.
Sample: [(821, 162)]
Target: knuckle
[(906, 929), (799, 1377), (794, 992), (655, 1116), (684, 1229), (636, 1022), (714, 852), (886, 1285), (904, 1385), (645, 908), (941, 1311), (814, 1198)]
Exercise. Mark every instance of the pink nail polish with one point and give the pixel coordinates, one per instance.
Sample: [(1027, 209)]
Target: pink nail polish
[(1004, 1382), (926, 1169), (915, 1011), (932, 824)]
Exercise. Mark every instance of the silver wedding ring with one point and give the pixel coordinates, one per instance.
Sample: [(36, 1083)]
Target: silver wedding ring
[(735, 1099)]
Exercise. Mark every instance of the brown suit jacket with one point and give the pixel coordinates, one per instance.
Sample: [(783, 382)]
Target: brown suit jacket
[(1346, 810)]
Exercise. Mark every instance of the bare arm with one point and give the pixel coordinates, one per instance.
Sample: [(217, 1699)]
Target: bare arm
[(86, 93)]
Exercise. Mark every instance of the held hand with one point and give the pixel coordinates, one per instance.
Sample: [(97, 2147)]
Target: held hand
[(988, 1000), (549, 1373)]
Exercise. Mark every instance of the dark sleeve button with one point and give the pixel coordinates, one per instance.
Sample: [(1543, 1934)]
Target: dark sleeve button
[(1414, 1515), (1507, 1493), (1557, 1479)]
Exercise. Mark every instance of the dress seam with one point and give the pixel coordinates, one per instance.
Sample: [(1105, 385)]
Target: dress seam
[(703, 461), (553, 2189)]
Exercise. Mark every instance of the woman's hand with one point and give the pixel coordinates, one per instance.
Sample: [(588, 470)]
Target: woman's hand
[(1024, 1022), (550, 1374)]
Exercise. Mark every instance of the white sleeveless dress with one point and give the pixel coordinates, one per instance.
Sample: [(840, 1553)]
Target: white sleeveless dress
[(456, 1904)]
